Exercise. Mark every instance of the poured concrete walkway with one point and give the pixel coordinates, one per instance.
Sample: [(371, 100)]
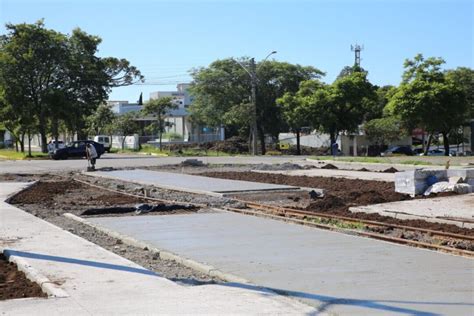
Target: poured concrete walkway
[(337, 273), (188, 183), (98, 282)]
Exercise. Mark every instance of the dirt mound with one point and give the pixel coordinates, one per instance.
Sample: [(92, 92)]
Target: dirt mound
[(233, 145), (390, 170), (283, 166), (44, 191), (363, 169), (113, 199), (329, 166), (14, 284)]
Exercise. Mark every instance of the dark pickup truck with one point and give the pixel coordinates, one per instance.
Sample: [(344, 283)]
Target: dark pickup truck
[(76, 149)]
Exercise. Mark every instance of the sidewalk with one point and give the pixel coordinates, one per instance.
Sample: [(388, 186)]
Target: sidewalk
[(97, 281)]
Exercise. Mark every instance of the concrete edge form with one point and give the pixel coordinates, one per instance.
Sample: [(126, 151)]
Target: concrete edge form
[(46, 285), (167, 255)]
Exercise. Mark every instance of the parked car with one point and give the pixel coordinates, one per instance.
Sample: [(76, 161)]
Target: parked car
[(76, 149), (418, 151), (105, 140), (398, 150), (52, 145)]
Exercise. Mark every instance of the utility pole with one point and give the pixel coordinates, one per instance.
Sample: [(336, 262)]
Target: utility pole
[(253, 80), (252, 72), (357, 49)]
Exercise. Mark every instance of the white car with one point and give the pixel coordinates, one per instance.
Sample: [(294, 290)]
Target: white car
[(105, 140)]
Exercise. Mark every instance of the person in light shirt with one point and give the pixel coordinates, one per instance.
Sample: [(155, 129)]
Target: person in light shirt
[(91, 154)]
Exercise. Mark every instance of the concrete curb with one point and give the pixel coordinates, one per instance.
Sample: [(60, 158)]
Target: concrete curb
[(198, 266), (388, 164), (49, 287)]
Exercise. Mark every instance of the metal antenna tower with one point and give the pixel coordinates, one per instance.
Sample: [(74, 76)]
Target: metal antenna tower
[(357, 49)]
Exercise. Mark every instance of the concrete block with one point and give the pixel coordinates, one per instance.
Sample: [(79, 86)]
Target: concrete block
[(413, 182)]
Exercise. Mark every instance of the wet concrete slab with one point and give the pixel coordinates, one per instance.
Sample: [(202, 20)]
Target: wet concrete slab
[(188, 183), (457, 210), (337, 273)]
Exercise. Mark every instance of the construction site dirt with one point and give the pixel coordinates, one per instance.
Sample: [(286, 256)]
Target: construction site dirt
[(57, 194), (340, 194), (14, 284), (49, 200)]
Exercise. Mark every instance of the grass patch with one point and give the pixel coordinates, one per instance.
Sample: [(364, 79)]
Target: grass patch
[(10, 154), (388, 160), (188, 152), (337, 223), (414, 162), (353, 159)]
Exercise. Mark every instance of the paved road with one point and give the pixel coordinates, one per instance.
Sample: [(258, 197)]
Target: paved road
[(123, 161), (334, 272)]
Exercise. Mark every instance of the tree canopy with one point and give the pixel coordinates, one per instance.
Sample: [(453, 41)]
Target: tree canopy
[(56, 77), (158, 109), (430, 99), (222, 94)]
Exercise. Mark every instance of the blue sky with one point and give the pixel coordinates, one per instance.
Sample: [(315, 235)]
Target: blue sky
[(164, 39)]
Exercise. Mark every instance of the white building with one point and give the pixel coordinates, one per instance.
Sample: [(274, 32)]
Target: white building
[(179, 124)]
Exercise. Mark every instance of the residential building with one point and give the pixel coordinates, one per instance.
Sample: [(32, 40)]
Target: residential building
[(178, 123)]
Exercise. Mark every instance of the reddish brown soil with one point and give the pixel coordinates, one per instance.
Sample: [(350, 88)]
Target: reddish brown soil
[(47, 193), (14, 284), (47, 199), (342, 194), (329, 166), (390, 170)]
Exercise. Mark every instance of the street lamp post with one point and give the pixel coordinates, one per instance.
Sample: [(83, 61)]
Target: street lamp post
[(253, 80)]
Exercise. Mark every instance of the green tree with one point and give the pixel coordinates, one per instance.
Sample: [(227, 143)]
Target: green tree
[(384, 131), (342, 105), (295, 112), (222, 94), (463, 77), (56, 76), (101, 120), (158, 109), (427, 98), (125, 125)]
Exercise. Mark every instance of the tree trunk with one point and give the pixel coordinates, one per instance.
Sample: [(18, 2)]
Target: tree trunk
[(22, 142), (55, 129), (262, 141), (42, 131), (160, 131), (446, 143), (29, 144), (428, 144), (332, 136), (298, 146), (123, 142)]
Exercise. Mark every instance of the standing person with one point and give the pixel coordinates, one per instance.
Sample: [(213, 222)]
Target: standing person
[(91, 154)]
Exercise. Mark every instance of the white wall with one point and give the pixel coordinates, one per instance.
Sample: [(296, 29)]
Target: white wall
[(315, 140), (131, 142)]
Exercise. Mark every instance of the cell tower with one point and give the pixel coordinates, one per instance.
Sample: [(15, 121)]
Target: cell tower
[(356, 49)]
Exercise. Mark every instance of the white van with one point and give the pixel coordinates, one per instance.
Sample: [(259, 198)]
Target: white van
[(104, 140)]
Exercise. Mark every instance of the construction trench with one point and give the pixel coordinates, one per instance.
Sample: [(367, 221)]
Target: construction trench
[(88, 197)]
